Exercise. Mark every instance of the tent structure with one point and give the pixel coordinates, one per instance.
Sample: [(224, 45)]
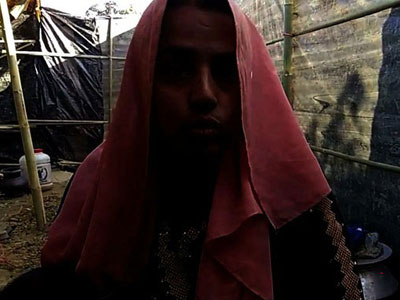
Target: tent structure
[(68, 67)]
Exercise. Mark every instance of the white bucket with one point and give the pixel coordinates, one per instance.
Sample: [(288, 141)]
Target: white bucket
[(43, 164)]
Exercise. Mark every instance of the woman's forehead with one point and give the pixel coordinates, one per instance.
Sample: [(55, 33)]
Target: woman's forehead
[(192, 27)]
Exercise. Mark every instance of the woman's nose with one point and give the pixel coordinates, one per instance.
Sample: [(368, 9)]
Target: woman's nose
[(204, 92)]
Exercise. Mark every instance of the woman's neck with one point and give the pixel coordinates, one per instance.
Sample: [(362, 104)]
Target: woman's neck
[(185, 187)]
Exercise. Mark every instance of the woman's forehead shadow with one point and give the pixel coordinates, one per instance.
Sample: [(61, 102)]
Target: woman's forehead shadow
[(216, 5), (191, 27)]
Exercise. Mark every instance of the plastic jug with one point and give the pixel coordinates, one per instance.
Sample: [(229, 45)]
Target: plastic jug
[(43, 164)]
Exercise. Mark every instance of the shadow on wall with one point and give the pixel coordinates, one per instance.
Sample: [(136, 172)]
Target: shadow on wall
[(368, 196), (384, 193), (345, 178), (349, 100)]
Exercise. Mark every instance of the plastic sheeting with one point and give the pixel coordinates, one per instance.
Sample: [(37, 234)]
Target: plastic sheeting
[(57, 88)]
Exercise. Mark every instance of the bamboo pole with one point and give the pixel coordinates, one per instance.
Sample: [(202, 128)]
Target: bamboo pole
[(356, 159), (35, 123), (9, 165), (288, 50), (22, 117), (68, 55), (20, 41), (373, 9), (66, 122), (20, 48), (111, 74), (274, 41), (9, 127)]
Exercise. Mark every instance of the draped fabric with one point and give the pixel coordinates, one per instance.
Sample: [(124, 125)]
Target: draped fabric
[(105, 226)]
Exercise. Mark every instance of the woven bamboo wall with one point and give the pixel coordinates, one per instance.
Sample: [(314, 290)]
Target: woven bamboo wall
[(347, 98)]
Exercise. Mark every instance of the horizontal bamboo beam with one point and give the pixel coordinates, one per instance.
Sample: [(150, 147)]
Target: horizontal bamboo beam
[(356, 159), (66, 122), (35, 123), (115, 17), (7, 127), (20, 41), (274, 41), (373, 9), (9, 165), (18, 49), (68, 55), (68, 163)]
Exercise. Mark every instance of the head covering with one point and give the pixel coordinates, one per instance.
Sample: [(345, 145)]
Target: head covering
[(105, 226)]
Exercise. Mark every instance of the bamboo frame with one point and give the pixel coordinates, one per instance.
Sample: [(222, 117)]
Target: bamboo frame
[(287, 65), (110, 58), (34, 183)]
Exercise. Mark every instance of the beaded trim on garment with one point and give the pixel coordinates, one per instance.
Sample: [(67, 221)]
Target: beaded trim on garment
[(350, 279), (178, 256)]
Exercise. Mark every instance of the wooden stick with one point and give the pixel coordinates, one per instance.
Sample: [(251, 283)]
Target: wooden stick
[(356, 159), (36, 191), (20, 41), (109, 105), (68, 55), (288, 51)]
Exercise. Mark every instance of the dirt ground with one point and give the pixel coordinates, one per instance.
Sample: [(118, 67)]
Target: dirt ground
[(20, 251)]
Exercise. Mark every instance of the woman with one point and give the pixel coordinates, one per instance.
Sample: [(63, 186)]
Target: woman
[(205, 187)]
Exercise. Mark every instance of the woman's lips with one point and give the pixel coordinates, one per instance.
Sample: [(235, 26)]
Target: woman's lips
[(204, 131), (204, 128)]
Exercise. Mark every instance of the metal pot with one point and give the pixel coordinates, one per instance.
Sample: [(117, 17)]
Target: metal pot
[(376, 279), (12, 184)]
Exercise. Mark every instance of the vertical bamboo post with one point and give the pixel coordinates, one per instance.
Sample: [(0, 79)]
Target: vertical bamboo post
[(288, 50), (22, 116), (111, 74)]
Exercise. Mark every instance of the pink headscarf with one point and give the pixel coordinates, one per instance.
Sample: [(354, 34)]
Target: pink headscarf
[(105, 226)]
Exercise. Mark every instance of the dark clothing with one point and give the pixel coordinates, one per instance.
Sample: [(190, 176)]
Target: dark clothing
[(307, 260), (305, 265)]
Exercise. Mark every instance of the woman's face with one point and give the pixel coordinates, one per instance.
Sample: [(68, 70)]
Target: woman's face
[(196, 86)]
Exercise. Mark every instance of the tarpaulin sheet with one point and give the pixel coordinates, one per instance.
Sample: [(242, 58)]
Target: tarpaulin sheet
[(58, 88)]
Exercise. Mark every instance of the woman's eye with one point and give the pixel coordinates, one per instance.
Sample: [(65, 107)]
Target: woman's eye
[(175, 71), (180, 70), (225, 70), (176, 66)]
